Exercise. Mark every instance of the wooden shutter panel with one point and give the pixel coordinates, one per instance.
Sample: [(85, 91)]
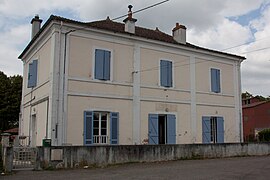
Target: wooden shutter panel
[(218, 80), (171, 129), (153, 129), (163, 73), (220, 130), (88, 127), (213, 80), (114, 127), (34, 72), (99, 61), (169, 75), (30, 74), (206, 129), (106, 65)]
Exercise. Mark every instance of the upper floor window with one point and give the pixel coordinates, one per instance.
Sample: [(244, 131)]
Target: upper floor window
[(215, 80), (102, 64), (32, 74), (166, 73)]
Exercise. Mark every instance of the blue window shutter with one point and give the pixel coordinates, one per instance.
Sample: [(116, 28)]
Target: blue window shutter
[(88, 127), (30, 74), (163, 73), (206, 129), (114, 127), (171, 129), (169, 66), (99, 61), (34, 72), (153, 129), (106, 65), (213, 80), (218, 80), (220, 130)]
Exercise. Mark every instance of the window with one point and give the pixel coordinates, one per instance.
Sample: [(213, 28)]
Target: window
[(166, 73), (161, 129), (213, 129), (100, 127), (102, 64), (32, 74), (215, 80), (100, 121)]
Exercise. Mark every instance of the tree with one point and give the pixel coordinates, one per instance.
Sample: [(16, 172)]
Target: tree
[(246, 95), (10, 98)]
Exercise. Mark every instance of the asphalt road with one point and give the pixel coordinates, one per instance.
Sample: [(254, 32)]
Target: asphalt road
[(229, 168)]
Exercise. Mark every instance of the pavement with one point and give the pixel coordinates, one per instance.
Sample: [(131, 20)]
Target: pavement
[(246, 168)]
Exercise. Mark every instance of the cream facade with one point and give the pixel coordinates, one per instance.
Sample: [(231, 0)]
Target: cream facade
[(76, 101)]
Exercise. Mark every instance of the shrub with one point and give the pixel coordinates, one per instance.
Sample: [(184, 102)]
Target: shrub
[(1, 162), (264, 135)]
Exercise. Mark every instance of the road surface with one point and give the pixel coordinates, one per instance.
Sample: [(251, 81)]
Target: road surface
[(228, 168)]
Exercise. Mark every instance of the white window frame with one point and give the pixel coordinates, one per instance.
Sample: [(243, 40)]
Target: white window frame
[(210, 85)]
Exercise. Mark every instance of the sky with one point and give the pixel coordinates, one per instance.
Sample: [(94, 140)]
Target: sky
[(240, 27)]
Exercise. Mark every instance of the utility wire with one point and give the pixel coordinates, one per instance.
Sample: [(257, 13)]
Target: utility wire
[(201, 61), (141, 9), (76, 29), (239, 45), (248, 52)]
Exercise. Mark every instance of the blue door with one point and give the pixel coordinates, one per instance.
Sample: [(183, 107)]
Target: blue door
[(220, 130), (153, 128), (206, 130), (171, 133)]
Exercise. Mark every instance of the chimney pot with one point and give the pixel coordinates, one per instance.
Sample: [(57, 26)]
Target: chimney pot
[(36, 23), (179, 33), (130, 22)]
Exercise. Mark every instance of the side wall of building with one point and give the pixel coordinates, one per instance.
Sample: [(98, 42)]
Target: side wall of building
[(35, 99)]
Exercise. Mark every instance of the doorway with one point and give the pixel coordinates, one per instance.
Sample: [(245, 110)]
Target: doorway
[(162, 129)]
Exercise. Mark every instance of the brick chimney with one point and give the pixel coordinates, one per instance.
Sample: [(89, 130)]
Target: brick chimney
[(130, 22), (36, 23), (179, 33)]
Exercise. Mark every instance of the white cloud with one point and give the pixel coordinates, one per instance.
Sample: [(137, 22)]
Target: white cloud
[(205, 20), (223, 35)]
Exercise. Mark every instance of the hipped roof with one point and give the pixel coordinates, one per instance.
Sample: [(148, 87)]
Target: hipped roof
[(116, 27)]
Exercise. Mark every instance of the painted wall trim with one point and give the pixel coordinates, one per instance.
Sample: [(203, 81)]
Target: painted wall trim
[(215, 105), (136, 131), (98, 81), (70, 93), (193, 109)]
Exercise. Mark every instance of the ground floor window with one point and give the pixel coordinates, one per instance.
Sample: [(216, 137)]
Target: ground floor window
[(161, 129), (212, 129), (100, 127)]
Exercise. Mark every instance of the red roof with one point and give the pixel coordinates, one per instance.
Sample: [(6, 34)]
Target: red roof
[(14, 130), (254, 104), (117, 27)]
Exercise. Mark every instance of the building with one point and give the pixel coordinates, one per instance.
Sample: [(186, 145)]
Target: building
[(106, 82), (256, 117)]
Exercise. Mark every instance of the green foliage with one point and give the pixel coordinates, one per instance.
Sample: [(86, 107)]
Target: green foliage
[(1, 161), (10, 99), (264, 135), (246, 95)]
